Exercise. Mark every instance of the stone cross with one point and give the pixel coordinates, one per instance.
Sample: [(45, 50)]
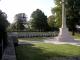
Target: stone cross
[(63, 15), (64, 35)]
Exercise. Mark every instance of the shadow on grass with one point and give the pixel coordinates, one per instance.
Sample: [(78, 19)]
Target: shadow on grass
[(31, 52)]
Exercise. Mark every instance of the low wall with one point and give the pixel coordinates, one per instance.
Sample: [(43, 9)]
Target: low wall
[(9, 52)]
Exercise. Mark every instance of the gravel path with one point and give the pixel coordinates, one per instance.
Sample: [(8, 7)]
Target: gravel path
[(51, 40)]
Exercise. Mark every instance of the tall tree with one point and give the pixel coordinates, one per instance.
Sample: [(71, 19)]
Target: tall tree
[(39, 21), (19, 22), (73, 14), (3, 19), (3, 32)]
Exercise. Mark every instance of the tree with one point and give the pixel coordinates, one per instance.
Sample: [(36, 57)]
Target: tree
[(3, 19), (51, 22), (19, 22), (72, 13), (57, 12), (39, 21), (3, 32)]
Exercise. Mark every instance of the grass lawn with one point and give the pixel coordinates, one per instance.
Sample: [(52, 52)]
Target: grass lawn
[(35, 32), (45, 51), (33, 39), (77, 36)]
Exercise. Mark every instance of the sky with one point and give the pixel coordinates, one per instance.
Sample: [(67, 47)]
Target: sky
[(12, 7)]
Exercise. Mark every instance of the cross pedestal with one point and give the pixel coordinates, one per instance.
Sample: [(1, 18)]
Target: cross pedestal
[(64, 36)]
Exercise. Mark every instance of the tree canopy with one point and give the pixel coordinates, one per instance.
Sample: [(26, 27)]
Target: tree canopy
[(3, 20), (20, 20), (72, 13), (51, 22), (57, 12), (39, 21)]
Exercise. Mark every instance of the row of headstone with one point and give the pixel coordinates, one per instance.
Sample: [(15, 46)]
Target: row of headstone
[(34, 35), (29, 35)]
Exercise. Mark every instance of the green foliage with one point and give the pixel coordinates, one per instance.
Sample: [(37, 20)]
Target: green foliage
[(20, 26), (32, 39), (3, 20), (51, 22), (57, 12), (72, 13), (3, 31), (19, 22), (13, 27), (39, 21), (77, 36)]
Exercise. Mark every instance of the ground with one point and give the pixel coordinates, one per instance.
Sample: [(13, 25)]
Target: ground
[(45, 51), (77, 36), (42, 51)]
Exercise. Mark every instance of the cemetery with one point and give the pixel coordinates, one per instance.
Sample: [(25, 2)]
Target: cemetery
[(38, 41)]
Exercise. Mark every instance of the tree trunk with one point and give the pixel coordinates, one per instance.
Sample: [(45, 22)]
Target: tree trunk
[(73, 32)]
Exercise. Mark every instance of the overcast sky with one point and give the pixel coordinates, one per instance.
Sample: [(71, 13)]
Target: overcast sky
[(12, 7)]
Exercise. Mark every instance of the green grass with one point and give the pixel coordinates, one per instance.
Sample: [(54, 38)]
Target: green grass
[(77, 36), (35, 32), (42, 51), (33, 39)]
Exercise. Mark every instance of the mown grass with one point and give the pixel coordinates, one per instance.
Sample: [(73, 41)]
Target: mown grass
[(77, 36), (35, 32), (33, 39), (44, 51)]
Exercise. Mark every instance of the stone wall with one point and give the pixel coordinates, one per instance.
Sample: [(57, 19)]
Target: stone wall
[(9, 52)]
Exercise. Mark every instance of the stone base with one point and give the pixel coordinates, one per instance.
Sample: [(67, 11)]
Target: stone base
[(64, 36)]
